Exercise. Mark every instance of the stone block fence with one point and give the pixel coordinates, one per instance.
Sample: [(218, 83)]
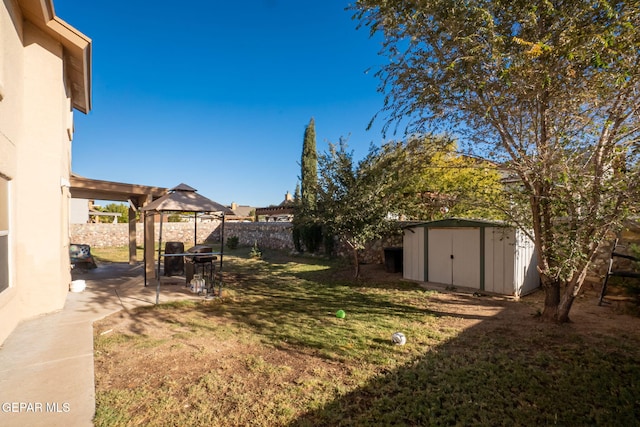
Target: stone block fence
[(113, 235), (268, 235), (273, 236)]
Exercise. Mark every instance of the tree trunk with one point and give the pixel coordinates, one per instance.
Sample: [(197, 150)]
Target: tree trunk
[(570, 293), (556, 309), (551, 301), (356, 261), (564, 307)]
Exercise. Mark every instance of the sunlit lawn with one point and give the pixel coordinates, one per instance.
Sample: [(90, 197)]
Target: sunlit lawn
[(115, 254), (272, 352)]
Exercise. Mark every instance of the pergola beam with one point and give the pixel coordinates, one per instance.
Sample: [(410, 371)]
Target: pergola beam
[(136, 196)]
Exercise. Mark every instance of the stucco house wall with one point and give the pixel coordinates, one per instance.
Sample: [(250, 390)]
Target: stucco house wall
[(36, 128)]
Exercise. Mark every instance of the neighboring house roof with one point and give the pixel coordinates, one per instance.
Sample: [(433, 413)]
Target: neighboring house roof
[(284, 208), (240, 212), (76, 45), (275, 210)]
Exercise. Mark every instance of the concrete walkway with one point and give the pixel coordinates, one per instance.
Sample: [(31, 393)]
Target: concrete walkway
[(46, 364)]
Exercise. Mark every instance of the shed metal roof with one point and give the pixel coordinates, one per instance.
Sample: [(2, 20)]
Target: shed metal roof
[(459, 223)]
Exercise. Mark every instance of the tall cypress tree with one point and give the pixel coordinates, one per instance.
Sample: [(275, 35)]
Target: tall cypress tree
[(305, 218), (309, 168)]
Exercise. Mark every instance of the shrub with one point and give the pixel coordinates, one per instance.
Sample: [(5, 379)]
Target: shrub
[(255, 251), (232, 242)]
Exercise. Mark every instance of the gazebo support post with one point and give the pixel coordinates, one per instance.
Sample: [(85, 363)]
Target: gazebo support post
[(195, 228), (159, 257), (149, 242), (221, 256), (144, 252)]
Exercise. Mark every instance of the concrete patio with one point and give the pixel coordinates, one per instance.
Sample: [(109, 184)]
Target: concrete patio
[(46, 364)]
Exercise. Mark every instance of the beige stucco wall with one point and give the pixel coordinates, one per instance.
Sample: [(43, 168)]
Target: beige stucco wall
[(35, 152)]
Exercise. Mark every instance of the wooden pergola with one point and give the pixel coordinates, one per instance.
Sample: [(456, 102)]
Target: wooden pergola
[(138, 196)]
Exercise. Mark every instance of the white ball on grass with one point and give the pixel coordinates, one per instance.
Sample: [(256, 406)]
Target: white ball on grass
[(398, 338)]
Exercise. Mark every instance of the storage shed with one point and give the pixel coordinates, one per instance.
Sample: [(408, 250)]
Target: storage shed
[(485, 255)]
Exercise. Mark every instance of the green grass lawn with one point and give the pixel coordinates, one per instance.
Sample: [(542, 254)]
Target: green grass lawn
[(121, 253), (272, 352), (115, 254)]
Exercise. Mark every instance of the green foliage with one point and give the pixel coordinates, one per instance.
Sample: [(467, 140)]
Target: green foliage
[(255, 251), (307, 230), (296, 194), (309, 168), (174, 217), (311, 235), (120, 208), (232, 242), (328, 242), (549, 90), (431, 180), (351, 198), (297, 240)]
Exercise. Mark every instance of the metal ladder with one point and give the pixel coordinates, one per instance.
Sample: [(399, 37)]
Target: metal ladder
[(619, 273)]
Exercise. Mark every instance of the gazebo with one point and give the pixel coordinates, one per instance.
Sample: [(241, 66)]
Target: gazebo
[(184, 198)]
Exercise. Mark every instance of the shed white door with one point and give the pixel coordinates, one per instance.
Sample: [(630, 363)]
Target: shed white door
[(413, 254), (454, 256), (499, 260)]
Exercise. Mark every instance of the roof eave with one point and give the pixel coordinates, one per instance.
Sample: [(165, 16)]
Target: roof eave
[(77, 49)]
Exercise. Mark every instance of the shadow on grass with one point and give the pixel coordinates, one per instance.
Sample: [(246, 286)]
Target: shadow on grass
[(494, 373)]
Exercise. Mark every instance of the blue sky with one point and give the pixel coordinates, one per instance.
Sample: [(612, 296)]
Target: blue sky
[(217, 94)]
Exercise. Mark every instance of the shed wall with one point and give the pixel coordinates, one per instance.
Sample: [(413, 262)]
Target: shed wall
[(413, 256), (496, 259), (500, 246), (527, 278)]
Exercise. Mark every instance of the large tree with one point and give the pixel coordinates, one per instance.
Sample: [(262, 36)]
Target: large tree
[(548, 87), (435, 181), (352, 197)]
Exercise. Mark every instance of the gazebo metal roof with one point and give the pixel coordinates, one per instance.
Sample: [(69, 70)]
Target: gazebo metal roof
[(183, 198)]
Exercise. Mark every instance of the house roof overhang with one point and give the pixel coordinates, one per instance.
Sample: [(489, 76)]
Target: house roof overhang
[(77, 48)]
